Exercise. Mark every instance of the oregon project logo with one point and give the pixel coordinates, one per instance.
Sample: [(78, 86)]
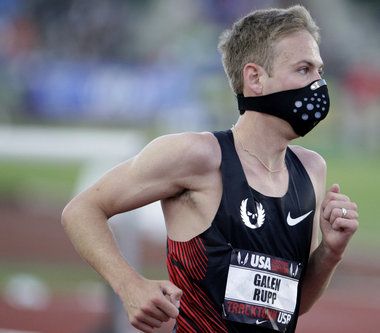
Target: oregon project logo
[(252, 220)]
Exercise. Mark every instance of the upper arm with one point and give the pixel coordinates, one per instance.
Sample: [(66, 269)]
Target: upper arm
[(166, 166), (316, 168)]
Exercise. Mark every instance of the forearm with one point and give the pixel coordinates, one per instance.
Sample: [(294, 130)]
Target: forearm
[(87, 228), (322, 264)]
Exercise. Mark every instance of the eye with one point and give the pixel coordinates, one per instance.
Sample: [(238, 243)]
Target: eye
[(321, 71), (303, 70)]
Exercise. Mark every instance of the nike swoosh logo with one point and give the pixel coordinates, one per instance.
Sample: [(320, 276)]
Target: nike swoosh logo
[(292, 222), (259, 322)]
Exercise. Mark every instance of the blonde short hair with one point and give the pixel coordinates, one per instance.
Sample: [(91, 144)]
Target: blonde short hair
[(252, 39)]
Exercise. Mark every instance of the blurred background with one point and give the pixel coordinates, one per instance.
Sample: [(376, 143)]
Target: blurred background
[(86, 84)]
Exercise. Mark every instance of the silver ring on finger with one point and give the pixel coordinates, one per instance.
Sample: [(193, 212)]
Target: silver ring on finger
[(344, 212)]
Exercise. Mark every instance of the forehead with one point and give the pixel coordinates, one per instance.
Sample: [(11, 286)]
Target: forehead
[(296, 47)]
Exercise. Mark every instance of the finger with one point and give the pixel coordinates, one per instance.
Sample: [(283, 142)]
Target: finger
[(339, 213), (150, 321), (156, 313), (333, 196), (334, 188), (334, 208), (141, 326), (345, 225), (173, 291), (164, 304), (168, 308), (175, 299), (350, 214)]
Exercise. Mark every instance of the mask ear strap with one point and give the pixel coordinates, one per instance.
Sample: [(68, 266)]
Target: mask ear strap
[(264, 103), (242, 105), (252, 103)]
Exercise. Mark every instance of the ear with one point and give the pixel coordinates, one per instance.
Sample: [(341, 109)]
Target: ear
[(252, 74)]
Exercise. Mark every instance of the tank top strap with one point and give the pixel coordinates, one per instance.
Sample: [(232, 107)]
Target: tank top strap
[(300, 186), (230, 159), (233, 176)]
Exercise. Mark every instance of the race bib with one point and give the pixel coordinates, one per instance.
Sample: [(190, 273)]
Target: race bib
[(261, 290)]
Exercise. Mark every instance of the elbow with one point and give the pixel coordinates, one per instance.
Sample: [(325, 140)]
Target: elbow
[(73, 212), (67, 214), (304, 309), (307, 304), (81, 210)]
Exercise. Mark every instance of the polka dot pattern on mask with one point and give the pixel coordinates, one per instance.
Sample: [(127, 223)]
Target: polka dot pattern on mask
[(314, 106)]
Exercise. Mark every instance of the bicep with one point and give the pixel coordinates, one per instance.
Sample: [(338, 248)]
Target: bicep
[(165, 167), (150, 176)]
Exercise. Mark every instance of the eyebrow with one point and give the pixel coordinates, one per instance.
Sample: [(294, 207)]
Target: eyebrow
[(309, 63)]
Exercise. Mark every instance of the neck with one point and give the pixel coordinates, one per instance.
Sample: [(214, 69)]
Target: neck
[(261, 137)]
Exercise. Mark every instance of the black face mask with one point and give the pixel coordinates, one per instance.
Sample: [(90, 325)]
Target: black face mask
[(302, 108)]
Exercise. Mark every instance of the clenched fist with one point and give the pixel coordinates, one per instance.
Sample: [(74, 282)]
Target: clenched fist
[(150, 303), (338, 221)]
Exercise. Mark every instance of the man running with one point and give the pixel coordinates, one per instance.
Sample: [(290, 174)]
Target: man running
[(242, 207)]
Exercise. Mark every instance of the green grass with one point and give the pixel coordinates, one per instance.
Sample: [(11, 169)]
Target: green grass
[(358, 177), (38, 180)]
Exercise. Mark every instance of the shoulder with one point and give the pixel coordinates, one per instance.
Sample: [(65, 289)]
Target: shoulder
[(313, 162), (199, 151)]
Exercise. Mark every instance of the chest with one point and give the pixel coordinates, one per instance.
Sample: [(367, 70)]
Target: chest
[(273, 184), (268, 215)]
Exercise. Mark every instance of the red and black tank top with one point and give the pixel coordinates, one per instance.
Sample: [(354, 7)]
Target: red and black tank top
[(245, 272)]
